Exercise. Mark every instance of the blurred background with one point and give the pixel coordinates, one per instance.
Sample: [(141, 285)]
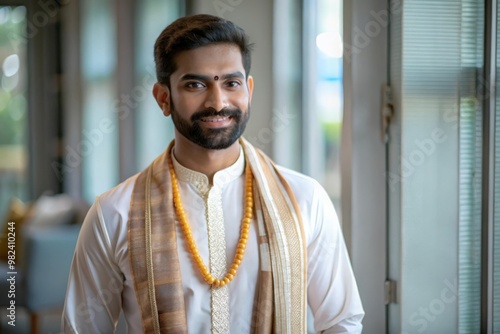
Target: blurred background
[(390, 105)]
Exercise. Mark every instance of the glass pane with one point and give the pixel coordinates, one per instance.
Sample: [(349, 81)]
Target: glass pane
[(13, 106), (153, 130), (99, 143), (328, 94), (287, 122)]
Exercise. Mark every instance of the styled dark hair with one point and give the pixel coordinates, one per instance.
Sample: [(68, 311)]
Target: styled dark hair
[(192, 32)]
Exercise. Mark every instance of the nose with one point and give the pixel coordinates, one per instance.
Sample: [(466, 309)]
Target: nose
[(216, 98)]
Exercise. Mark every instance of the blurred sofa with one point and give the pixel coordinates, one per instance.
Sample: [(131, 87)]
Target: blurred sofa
[(46, 234)]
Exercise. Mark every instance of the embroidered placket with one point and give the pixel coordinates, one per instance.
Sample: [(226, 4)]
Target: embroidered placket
[(218, 263), (212, 197)]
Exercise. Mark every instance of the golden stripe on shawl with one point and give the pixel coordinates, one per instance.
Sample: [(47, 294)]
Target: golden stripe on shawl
[(149, 257), (262, 240), (294, 209), (281, 255), (296, 239)]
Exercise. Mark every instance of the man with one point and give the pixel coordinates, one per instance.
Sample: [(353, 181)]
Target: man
[(212, 236)]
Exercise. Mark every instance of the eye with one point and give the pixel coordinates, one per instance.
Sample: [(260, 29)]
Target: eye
[(233, 83), (194, 84)]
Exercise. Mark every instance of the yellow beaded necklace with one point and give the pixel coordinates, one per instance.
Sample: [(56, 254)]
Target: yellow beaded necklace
[(186, 229)]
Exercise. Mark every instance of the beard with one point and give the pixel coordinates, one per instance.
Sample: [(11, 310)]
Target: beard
[(213, 139)]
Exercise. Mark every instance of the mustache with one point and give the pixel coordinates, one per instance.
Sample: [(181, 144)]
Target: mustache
[(225, 112)]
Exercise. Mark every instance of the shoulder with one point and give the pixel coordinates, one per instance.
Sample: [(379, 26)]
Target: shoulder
[(315, 205), (298, 180), (117, 198), (306, 189), (109, 214)]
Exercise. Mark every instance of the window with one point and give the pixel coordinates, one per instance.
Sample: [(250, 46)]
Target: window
[(442, 236), (122, 128), (98, 148), (13, 105), (153, 130), (328, 93), (308, 89)]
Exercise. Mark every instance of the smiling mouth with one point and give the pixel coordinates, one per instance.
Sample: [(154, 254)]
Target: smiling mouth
[(214, 119)]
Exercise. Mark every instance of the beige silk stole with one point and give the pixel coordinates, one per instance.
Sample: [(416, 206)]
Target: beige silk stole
[(281, 298)]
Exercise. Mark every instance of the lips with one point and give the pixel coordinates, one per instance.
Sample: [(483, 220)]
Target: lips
[(214, 119)]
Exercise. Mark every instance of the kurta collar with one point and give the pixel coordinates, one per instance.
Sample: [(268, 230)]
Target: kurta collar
[(200, 180)]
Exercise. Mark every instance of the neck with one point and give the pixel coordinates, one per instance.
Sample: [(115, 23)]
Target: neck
[(206, 161)]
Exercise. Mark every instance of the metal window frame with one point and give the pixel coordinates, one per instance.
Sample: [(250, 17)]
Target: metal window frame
[(488, 172)]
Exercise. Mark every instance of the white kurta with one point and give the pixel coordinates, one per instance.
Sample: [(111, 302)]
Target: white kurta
[(101, 283)]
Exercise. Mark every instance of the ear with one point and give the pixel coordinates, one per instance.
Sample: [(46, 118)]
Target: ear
[(250, 87), (161, 94)]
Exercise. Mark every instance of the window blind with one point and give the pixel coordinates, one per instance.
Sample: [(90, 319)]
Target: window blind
[(470, 134), (435, 69)]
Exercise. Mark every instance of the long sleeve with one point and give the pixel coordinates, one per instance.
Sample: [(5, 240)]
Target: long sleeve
[(93, 298), (332, 291)]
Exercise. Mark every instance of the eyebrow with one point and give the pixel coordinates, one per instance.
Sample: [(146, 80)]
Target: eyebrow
[(191, 76)]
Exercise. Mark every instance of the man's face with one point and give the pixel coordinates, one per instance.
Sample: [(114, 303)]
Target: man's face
[(209, 95)]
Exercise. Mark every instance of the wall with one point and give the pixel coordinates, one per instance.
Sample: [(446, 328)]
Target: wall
[(364, 153)]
